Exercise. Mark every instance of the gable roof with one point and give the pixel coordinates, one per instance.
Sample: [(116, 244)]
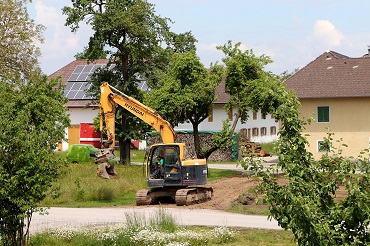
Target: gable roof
[(66, 72), (332, 75)]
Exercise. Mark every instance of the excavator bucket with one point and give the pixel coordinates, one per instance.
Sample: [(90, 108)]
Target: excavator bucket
[(105, 169)]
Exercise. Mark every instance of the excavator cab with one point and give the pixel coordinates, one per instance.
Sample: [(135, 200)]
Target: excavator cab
[(166, 171), (179, 179)]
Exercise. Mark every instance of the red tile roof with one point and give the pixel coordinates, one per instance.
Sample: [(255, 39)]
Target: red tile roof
[(332, 75)]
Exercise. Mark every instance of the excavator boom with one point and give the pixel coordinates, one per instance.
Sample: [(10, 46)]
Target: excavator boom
[(108, 100)]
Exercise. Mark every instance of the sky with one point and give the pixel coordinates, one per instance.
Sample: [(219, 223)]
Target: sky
[(291, 32)]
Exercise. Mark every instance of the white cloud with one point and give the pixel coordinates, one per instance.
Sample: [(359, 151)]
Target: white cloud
[(325, 32), (60, 44)]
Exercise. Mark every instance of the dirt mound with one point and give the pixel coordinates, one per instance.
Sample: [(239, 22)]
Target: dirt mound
[(226, 191)]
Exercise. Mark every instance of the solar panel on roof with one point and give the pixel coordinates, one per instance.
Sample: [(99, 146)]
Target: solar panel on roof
[(78, 83), (77, 90)]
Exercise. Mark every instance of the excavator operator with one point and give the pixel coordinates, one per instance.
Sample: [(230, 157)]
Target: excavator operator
[(158, 168)]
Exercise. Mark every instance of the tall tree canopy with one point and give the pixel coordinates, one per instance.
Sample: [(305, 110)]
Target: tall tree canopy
[(32, 121), (186, 92), (132, 34), (243, 70), (18, 34)]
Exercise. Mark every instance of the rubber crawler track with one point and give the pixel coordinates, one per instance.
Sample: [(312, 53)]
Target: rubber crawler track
[(182, 196)]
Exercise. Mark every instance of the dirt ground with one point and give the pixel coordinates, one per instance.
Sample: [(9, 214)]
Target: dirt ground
[(226, 191)]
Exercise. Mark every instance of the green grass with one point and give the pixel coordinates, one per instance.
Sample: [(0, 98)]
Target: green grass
[(250, 209), (214, 174), (80, 187), (262, 237), (270, 147), (149, 236)]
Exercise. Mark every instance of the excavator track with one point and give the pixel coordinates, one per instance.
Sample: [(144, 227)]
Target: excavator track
[(182, 196), (193, 195)]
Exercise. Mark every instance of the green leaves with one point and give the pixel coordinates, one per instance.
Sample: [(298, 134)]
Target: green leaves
[(32, 121), (18, 33)]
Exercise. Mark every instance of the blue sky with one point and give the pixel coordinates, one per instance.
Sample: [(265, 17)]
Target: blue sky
[(291, 32)]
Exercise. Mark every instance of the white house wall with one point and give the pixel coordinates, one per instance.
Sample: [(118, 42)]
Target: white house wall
[(82, 115), (219, 115)]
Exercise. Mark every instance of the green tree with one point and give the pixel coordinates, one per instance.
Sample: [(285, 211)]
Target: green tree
[(186, 92), (307, 203), (18, 33), (243, 71), (285, 75), (133, 36), (32, 121), (88, 54)]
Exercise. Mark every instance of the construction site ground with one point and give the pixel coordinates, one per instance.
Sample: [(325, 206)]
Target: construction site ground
[(227, 190)]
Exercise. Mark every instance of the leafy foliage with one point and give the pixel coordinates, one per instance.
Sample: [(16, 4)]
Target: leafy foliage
[(18, 33), (244, 71), (307, 203), (32, 121), (186, 91), (132, 34)]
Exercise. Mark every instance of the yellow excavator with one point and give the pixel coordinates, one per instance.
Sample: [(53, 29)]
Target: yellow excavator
[(169, 173)]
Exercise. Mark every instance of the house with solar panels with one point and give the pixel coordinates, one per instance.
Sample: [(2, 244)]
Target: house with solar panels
[(75, 76)]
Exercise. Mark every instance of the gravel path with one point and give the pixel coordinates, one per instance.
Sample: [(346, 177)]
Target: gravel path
[(82, 217)]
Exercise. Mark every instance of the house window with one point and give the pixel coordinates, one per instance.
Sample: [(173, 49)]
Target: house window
[(210, 115), (323, 114), (230, 114), (263, 131), (264, 116), (254, 131), (273, 130), (322, 147), (255, 115)]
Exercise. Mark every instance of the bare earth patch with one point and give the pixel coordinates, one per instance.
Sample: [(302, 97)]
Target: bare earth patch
[(226, 191)]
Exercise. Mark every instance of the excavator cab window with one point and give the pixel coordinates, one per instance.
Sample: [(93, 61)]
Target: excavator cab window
[(171, 163)]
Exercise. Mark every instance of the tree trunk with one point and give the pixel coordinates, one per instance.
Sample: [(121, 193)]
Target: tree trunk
[(124, 146), (196, 139), (237, 116), (124, 143)]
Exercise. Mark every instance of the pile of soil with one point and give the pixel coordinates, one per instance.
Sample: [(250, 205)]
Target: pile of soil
[(226, 191)]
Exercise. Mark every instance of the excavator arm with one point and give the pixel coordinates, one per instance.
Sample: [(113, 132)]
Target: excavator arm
[(108, 102)]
